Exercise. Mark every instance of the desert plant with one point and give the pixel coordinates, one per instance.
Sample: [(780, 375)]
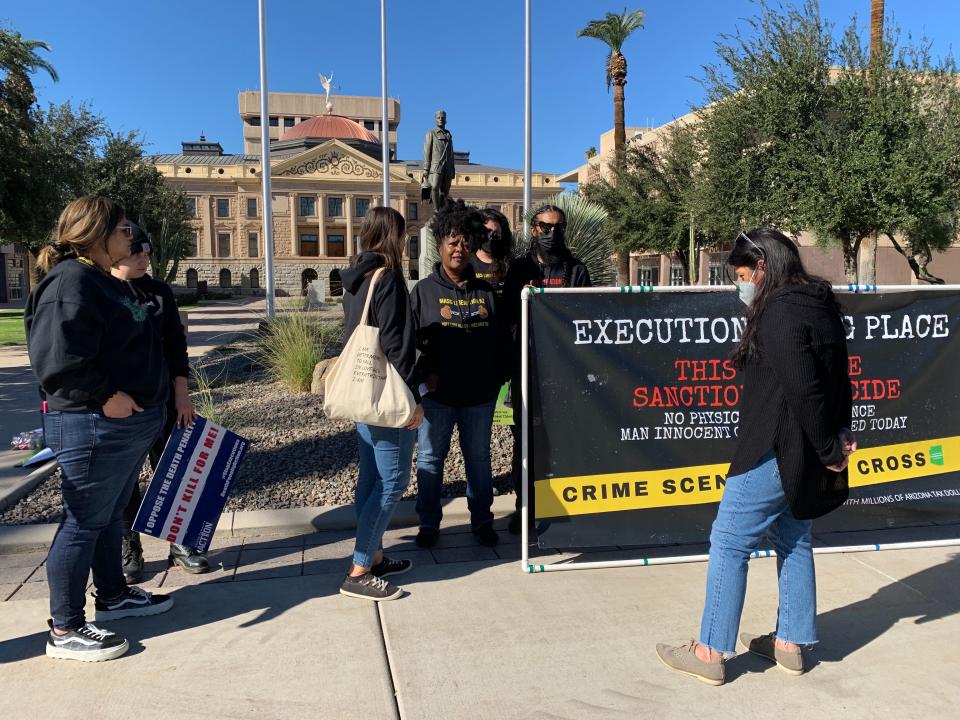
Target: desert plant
[(203, 399), (290, 347)]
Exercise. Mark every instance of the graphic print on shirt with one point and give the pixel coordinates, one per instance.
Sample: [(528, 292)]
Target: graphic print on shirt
[(463, 313)]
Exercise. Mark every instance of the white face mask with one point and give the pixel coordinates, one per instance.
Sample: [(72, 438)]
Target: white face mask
[(747, 290)]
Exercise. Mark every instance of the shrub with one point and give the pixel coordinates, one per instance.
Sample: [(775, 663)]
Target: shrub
[(290, 347)]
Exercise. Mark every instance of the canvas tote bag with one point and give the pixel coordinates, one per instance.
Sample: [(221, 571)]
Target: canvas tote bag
[(363, 386)]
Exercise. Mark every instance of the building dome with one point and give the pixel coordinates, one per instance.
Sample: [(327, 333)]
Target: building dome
[(330, 126)]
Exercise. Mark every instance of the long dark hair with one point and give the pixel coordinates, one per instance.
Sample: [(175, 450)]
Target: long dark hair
[(503, 261), (382, 231), (567, 256), (782, 267)]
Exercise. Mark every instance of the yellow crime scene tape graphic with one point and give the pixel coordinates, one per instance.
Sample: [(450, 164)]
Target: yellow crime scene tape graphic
[(699, 484)]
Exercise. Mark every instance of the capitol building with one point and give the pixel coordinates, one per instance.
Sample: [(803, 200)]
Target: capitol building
[(327, 171)]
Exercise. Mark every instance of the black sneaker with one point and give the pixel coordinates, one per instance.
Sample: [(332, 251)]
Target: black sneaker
[(133, 603), (427, 537), (189, 559), (132, 558), (86, 644), (369, 587), (516, 523), (487, 536), (391, 567)]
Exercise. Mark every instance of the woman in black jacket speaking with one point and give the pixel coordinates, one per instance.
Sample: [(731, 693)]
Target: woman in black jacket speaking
[(791, 458)]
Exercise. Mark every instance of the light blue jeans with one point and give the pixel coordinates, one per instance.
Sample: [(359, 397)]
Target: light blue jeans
[(386, 455), (475, 423), (754, 505)]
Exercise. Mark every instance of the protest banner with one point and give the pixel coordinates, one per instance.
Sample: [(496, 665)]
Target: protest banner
[(191, 483), (632, 411)]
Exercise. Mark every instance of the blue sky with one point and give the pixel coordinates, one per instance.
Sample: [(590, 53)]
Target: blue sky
[(172, 69)]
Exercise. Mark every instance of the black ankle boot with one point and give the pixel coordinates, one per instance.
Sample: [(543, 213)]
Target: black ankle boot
[(191, 560), (132, 558)]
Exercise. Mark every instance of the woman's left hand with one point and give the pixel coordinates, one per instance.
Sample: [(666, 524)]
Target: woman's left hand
[(848, 445), (186, 413)]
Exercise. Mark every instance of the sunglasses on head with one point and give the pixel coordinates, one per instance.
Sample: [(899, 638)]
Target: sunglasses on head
[(743, 236)]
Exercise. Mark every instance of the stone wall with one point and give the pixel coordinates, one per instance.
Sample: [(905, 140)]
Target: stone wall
[(287, 276)]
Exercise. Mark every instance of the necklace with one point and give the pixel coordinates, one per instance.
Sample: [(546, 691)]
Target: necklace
[(91, 263)]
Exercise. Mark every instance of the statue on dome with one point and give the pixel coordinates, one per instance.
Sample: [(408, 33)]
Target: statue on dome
[(438, 167), (327, 83)]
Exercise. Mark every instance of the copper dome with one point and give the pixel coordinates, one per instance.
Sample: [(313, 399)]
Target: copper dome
[(330, 126)]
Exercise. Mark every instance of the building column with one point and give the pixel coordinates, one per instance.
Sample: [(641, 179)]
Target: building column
[(322, 223), (665, 262), (294, 219), (348, 248), (210, 205)]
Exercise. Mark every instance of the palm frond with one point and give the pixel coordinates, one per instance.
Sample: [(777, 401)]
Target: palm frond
[(613, 31)]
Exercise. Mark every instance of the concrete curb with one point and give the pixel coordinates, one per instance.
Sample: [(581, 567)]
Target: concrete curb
[(252, 523), (27, 485)]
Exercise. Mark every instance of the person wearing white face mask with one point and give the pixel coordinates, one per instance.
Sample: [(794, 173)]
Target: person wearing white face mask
[(791, 458)]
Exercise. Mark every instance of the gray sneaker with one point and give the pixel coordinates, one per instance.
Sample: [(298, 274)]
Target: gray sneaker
[(370, 587), (683, 659), (766, 647)]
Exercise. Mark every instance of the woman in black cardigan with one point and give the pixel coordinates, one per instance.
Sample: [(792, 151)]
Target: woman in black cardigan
[(791, 458)]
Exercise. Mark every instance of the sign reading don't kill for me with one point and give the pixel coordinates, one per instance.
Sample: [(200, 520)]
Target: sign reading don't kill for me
[(190, 484)]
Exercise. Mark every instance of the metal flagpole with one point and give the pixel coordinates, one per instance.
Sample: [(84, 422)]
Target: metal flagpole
[(384, 122), (265, 165), (527, 115)]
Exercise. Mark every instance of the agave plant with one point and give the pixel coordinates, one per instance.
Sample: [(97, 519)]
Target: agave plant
[(586, 237)]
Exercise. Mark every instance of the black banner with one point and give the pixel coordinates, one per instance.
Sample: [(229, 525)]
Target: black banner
[(634, 413)]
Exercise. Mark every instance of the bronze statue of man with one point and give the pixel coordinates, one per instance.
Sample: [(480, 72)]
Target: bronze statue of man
[(438, 168)]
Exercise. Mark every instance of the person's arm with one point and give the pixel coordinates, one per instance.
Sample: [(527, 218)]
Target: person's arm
[(427, 153), (174, 339), (787, 349), (580, 277), (391, 307)]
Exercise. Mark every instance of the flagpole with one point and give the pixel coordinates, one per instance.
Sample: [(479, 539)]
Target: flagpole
[(527, 114), (267, 202), (384, 121)]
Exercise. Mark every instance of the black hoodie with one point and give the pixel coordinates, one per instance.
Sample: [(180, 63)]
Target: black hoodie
[(797, 397), (462, 339), (389, 311), (88, 338), (565, 271)]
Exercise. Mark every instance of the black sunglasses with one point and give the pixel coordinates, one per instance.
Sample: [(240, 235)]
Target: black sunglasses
[(547, 227)]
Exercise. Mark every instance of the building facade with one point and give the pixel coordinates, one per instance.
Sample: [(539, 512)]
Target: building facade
[(656, 269), (326, 172)]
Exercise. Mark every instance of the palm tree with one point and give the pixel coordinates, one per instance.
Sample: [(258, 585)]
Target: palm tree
[(19, 58), (867, 265), (613, 31)]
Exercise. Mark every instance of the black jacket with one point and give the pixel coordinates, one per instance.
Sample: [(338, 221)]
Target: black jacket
[(491, 273), (461, 337), (88, 338), (797, 397), (567, 272), (389, 311), (157, 299)]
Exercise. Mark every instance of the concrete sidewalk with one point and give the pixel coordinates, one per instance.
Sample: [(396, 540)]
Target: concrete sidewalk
[(268, 636)]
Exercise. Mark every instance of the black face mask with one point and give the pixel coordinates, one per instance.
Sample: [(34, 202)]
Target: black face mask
[(493, 244), (553, 242)]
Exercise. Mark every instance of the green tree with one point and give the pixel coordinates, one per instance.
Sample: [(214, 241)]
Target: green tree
[(613, 31), (650, 198), (124, 173)]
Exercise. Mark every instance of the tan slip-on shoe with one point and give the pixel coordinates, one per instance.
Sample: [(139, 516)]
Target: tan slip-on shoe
[(683, 659), (766, 647)]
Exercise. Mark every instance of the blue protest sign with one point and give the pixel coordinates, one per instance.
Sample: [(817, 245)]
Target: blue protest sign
[(191, 483)]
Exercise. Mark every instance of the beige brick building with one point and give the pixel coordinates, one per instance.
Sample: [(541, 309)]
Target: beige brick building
[(326, 171)]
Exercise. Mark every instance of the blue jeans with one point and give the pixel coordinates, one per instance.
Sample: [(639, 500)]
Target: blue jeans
[(385, 458), (100, 460), (475, 423), (754, 505)]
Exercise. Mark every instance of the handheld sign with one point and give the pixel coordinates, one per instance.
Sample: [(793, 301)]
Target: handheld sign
[(191, 483)]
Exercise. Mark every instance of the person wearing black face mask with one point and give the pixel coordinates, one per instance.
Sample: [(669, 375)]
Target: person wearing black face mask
[(548, 264), (491, 258)]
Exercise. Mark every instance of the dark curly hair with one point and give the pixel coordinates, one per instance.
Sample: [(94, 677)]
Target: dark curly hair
[(456, 218)]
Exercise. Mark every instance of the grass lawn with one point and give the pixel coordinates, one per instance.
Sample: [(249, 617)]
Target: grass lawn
[(11, 328)]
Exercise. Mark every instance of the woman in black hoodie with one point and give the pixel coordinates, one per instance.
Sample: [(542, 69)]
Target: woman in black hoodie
[(464, 359), (386, 454), (791, 458)]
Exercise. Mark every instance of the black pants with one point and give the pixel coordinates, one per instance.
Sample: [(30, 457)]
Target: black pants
[(156, 450)]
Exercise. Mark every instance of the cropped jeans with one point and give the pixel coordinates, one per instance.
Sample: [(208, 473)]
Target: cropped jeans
[(475, 423), (100, 460), (386, 455), (753, 506)]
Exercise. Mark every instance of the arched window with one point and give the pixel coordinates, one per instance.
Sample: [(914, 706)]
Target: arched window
[(336, 284), (307, 277), (225, 279), (191, 278), (254, 278)]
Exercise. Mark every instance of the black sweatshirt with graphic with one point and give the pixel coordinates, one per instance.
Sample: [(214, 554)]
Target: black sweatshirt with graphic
[(156, 297), (88, 338), (563, 272), (462, 339)]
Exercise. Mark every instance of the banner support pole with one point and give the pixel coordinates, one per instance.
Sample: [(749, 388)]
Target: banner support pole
[(524, 441)]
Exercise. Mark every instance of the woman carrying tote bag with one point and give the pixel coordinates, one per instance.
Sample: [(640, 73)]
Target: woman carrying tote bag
[(386, 453)]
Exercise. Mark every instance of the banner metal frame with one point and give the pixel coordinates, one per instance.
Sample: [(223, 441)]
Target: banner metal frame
[(525, 296)]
